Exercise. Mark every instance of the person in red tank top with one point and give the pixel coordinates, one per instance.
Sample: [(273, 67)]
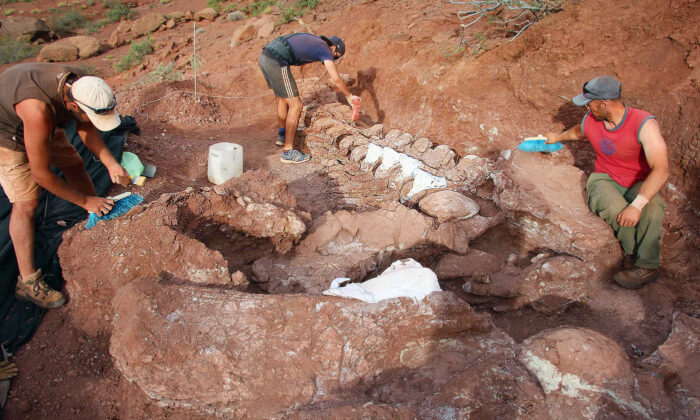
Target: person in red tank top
[(631, 167)]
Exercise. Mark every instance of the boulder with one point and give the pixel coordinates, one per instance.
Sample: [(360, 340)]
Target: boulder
[(26, 28), (177, 16), (421, 145), (147, 24), (374, 131), (225, 353), (583, 374), (117, 39), (58, 51), (471, 171), (243, 33), (447, 205), (196, 236), (87, 46), (170, 24), (206, 14)]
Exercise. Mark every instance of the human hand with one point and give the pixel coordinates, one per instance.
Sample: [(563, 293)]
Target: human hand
[(351, 99), (98, 205), (551, 138), (7, 370), (629, 216), (119, 175)]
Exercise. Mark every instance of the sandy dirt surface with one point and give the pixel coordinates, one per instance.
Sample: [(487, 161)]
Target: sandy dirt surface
[(400, 63)]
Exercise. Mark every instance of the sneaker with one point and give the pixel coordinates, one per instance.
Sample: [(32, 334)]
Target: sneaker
[(35, 290), (636, 277), (280, 140), (294, 156)]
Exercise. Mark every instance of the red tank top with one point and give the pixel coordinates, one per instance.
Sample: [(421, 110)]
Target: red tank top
[(618, 151)]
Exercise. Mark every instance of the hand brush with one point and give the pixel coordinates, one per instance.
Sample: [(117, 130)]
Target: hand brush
[(537, 144), (122, 204)]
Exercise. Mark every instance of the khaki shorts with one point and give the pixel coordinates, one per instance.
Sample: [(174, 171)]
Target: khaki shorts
[(15, 175)]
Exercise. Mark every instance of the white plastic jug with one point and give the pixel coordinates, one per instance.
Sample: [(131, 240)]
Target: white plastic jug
[(225, 162)]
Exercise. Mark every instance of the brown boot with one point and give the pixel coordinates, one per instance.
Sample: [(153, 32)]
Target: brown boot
[(34, 289), (636, 277), (628, 262)]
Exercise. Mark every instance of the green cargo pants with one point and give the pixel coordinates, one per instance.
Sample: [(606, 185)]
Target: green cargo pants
[(607, 198)]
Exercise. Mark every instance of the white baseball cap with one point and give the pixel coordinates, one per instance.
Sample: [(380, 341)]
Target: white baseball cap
[(94, 96)]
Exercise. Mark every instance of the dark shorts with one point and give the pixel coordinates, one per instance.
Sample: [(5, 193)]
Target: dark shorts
[(278, 77)]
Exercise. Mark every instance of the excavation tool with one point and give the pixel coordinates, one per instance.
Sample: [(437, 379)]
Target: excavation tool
[(537, 144), (122, 204)]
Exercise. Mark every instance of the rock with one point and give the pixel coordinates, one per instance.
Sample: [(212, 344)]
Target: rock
[(391, 136), (175, 16), (471, 171), (678, 358), (438, 157), (170, 24), (117, 39), (358, 153), (58, 51), (26, 28), (403, 142), (236, 15), (243, 33), (266, 30), (421, 145), (147, 24), (174, 233), (373, 131), (447, 205), (207, 13), (474, 263), (188, 15), (255, 355), (87, 46), (583, 374)]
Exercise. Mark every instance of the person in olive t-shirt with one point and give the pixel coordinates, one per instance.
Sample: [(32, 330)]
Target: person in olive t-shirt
[(37, 101)]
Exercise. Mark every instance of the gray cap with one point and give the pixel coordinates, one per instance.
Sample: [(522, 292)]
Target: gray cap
[(600, 88)]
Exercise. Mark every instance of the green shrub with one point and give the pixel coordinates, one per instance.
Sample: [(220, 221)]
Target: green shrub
[(230, 8), (116, 11), (259, 7), (64, 22), (214, 4), (161, 74), (297, 10), (137, 52), (90, 2), (8, 12), (13, 49)]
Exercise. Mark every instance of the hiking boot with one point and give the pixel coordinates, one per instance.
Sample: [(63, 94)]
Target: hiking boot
[(34, 289), (294, 156), (628, 262), (636, 277), (280, 140)]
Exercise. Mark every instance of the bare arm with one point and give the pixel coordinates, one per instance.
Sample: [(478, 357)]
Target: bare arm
[(337, 80), (88, 133), (37, 133), (657, 157), (574, 133)]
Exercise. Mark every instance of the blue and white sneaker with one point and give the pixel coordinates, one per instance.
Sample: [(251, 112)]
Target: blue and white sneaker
[(294, 156), (280, 140)]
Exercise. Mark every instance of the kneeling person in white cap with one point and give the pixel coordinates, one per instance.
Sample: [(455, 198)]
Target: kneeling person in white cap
[(38, 100)]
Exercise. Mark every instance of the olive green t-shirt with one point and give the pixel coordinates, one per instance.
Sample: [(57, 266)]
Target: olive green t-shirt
[(40, 81)]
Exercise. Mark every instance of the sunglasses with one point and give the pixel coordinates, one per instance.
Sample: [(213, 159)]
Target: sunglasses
[(100, 111)]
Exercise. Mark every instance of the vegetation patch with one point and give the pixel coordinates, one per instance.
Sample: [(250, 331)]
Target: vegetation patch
[(137, 53), (162, 73), (13, 49), (297, 9), (64, 22)]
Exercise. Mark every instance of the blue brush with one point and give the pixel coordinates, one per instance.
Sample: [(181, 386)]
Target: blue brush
[(537, 144), (122, 204)]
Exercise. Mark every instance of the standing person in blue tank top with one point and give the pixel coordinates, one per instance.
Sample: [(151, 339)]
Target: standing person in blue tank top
[(296, 50)]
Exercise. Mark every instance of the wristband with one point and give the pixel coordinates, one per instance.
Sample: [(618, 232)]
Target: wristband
[(639, 202)]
